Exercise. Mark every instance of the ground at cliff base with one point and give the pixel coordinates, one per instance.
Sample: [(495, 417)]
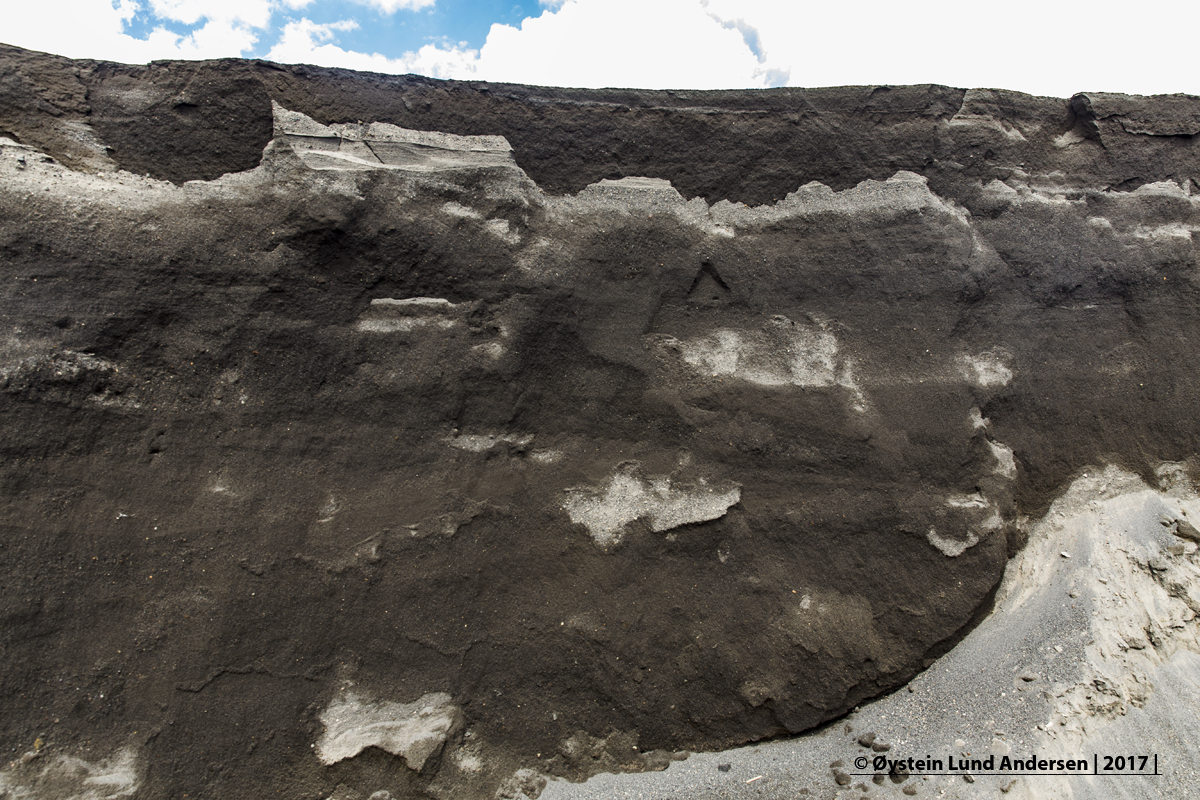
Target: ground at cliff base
[(1091, 651)]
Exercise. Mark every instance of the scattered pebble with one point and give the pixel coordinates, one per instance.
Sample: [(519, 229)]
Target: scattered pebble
[(867, 739), (841, 778), (881, 747), (1065, 554), (910, 790), (969, 778), (724, 767)]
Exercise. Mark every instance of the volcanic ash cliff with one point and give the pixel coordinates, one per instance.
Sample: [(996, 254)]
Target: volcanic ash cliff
[(371, 435)]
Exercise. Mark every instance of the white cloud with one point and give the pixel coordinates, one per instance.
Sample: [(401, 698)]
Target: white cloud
[(306, 42), (392, 6), (621, 43), (96, 30), (126, 8), (217, 39), (255, 13), (585, 43), (1034, 46), (773, 74)]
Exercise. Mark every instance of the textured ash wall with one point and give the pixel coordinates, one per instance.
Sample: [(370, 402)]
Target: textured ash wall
[(695, 418)]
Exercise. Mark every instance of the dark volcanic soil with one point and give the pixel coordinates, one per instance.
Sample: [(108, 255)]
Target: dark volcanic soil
[(525, 473)]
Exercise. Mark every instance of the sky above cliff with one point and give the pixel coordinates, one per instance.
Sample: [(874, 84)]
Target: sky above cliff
[(1044, 47)]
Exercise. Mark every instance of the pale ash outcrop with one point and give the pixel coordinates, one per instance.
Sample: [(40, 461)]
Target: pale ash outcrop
[(415, 731), (378, 145), (392, 315), (664, 504), (46, 772)]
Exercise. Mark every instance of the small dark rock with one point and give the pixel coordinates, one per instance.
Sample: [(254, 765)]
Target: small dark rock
[(881, 747), (723, 767), (1187, 530), (969, 778), (878, 778), (656, 760), (841, 778), (910, 790), (867, 739)]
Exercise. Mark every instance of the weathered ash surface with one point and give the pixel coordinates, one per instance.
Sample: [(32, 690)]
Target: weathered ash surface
[(341, 458)]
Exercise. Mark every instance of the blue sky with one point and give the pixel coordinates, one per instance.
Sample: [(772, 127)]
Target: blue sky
[(405, 30), (1048, 47)]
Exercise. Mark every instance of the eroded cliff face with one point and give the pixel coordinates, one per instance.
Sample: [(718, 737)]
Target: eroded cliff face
[(372, 434)]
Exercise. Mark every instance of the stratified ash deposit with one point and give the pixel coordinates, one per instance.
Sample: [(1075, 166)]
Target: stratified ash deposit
[(374, 434)]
